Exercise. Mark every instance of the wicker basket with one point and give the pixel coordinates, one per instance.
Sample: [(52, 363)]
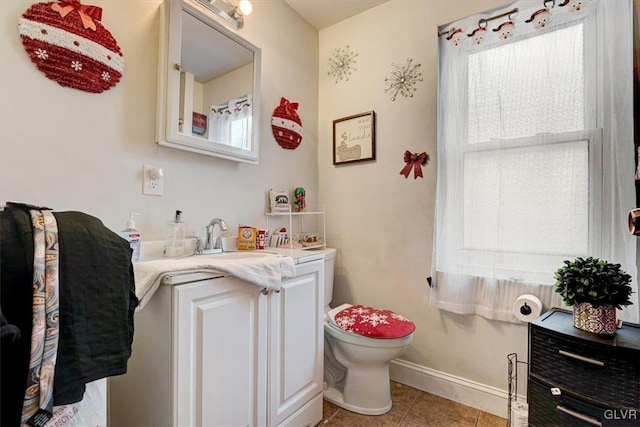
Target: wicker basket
[(601, 320)]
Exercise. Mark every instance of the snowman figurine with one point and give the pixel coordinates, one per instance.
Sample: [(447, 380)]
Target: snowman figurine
[(505, 30), (575, 5), (455, 37), (477, 35), (540, 18)]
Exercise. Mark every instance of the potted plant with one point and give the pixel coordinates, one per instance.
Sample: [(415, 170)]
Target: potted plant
[(595, 288)]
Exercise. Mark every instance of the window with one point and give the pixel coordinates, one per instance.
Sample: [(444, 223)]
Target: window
[(522, 177)]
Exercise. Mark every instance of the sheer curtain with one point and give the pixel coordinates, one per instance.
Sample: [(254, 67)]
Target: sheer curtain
[(230, 122), (535, 151)]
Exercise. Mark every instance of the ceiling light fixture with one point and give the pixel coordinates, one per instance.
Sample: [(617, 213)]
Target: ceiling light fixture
[(233, 15)]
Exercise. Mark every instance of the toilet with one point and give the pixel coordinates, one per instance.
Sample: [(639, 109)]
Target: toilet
[(356, 367)]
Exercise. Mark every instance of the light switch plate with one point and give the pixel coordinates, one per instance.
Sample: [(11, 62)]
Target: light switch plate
[(152, 180)]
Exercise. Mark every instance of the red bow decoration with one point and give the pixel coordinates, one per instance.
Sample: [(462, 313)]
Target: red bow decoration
[(289, 107), (87, 13), (414, 161)]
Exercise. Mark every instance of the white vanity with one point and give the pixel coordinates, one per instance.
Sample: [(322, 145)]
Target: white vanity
[(212, 350)]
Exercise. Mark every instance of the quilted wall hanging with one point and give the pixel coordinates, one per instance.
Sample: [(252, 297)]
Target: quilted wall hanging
[(67, 42)]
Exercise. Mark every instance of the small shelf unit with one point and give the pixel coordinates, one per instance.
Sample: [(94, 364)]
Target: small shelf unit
[(314, 211)]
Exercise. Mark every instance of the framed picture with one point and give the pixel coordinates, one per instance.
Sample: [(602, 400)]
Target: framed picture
[(354, 138), (199, 124)]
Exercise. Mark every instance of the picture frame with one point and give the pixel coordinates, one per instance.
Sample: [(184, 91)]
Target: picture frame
[(354, 138)]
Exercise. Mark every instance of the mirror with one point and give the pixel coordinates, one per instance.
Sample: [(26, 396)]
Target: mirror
[(208, 85)]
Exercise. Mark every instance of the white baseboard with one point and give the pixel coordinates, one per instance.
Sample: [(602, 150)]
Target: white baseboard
[(461, 390)]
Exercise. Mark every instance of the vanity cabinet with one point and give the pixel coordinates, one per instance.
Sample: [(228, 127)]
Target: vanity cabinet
[(296, 348), (220, 362), (581, 379), (213, 350)]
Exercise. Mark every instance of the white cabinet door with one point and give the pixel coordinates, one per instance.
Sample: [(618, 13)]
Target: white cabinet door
[(296, 342), (219, 354)]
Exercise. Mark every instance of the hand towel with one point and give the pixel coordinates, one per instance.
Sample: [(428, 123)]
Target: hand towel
[(265, 272)]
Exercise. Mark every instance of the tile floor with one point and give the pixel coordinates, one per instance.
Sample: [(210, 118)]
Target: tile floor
[(412, 408)]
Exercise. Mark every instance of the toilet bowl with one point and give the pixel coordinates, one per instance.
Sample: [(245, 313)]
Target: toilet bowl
[(356, 367)]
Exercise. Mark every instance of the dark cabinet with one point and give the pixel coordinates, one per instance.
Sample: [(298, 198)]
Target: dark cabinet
[(581, 379)]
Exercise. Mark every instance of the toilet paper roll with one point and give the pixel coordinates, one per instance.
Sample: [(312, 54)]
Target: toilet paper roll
[(519, 414), (527, 307)]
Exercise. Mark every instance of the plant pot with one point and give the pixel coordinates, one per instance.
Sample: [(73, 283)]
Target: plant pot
[(601, 320)]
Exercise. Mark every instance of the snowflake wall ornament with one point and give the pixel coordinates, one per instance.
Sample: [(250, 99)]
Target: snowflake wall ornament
[(403, 80), (341, 63)]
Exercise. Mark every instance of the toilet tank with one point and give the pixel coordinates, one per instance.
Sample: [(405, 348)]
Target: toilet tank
[(329, 267)]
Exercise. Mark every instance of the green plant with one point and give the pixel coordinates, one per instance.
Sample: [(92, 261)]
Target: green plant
[(594, 281)]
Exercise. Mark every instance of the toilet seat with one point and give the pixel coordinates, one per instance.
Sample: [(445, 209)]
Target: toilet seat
[(371, 322), (336, 331)]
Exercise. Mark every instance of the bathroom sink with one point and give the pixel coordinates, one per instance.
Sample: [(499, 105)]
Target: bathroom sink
[(236, 255), (220, 256)]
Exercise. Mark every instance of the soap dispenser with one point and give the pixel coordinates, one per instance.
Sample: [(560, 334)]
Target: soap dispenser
[(132, 236), (174, 237)]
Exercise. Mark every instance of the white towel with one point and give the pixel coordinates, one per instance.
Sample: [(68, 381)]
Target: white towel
[(265, 272)]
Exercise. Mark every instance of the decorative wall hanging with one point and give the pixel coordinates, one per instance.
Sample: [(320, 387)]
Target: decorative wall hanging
[(341, 63), (354, 138), (403, 80), (67, 42), (414, 161), (286, 125)]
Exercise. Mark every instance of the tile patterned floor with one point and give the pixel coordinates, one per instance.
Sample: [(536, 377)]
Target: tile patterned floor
[(412, 408)]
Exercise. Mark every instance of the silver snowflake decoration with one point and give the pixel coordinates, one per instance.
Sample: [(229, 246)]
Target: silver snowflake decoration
[(341, 63), (403, 80)]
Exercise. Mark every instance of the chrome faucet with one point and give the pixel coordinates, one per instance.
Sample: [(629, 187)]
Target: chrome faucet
[(210, 246), (198, 248)]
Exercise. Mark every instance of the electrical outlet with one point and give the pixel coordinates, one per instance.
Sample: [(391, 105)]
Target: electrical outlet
[(152, 180)]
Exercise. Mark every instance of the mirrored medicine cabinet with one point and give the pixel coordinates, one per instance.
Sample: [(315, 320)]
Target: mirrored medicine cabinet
[(208, 85)]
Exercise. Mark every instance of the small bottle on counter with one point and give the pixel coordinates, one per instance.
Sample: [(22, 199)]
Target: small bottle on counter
[(174, 237), (133, 236)]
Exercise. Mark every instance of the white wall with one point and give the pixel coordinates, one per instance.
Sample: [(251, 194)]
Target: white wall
[(381, 222), (73, 150), (234, 84)]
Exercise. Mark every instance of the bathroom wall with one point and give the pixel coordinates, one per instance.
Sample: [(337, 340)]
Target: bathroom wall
[(381, 222), (73, 150), (233, 84)]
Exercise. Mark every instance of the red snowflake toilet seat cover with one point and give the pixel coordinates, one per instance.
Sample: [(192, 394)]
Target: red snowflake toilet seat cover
[(374, 323)]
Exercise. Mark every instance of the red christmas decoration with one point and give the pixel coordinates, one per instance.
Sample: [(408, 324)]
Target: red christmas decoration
[(67, 42), (414, 161), (286, 125)]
